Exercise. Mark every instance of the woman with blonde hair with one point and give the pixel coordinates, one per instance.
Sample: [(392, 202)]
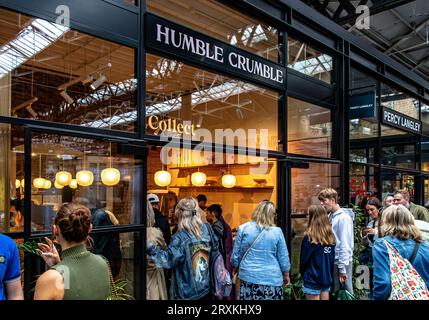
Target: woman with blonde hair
[(156, 288), (187, 254), (317, 255), (399, 230), (261, 256)]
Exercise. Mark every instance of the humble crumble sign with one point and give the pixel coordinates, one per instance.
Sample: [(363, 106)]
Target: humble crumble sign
[(170, 37)]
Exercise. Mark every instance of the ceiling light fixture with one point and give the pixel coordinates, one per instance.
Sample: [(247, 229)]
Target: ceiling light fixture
[(110, 176), (98, 82), (39, 182), (198, 179)]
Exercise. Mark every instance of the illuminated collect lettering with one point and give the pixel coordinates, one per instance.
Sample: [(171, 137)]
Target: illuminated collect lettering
[(170, 125)]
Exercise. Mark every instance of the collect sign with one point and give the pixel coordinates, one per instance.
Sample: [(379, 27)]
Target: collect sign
[(170, 37), (401, 121), (362, 105)]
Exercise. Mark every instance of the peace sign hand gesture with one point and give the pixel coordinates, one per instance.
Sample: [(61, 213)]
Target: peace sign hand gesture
[(48, 252)]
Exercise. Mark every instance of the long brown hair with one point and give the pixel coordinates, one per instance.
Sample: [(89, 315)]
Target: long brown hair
[(319, 229)]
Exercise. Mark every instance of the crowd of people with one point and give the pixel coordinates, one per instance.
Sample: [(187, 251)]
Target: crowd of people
[(182, 241)]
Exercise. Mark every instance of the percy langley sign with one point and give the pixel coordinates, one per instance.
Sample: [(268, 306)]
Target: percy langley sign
[(170, 37), (401, 121)]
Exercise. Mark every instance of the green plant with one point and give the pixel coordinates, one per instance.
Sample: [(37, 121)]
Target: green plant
[(293, 291), (119, 291), (29, 246), (358, 248)]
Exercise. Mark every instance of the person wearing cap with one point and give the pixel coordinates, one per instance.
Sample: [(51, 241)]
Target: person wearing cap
[(161, 221)]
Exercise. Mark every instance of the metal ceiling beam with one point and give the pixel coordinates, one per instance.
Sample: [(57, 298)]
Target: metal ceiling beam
[(414, 31), (346, 6)]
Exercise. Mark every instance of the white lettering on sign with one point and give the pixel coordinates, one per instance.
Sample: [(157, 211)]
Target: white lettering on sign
[(213, 52), (401, 121)]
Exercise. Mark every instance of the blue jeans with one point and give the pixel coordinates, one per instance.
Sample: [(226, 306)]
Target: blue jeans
[(315, 292)]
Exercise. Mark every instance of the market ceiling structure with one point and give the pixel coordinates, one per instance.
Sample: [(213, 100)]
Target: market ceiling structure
[(399, 28)]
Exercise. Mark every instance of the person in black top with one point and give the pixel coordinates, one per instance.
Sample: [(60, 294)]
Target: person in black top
[(161, 221), (317, 255)]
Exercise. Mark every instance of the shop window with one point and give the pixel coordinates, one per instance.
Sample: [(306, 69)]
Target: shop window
[(363, 155), (399, 101), (393, 181), (255, 180), (309, 61), (362, 184), (309, 129), (191, 103), (426, 192), (52, 73), (363, 124), (105, 177), (402, 156), (224, 23), (425, 153), (11, 178), (306, 185)]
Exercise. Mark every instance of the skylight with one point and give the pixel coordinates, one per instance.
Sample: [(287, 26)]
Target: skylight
[(313, 66), (30, 41)]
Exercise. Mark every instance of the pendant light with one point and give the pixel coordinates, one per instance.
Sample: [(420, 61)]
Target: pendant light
[(162, 178), (39, 182), (110, 176), (17, 184), (48, 184), (57, 185), (23, 183), (84, 177), (198, 178), (63, 178), (228, 180), (73, 184)]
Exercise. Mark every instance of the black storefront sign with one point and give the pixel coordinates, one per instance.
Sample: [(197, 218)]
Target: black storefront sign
[(169, 37), (401, 121), (362, 105)]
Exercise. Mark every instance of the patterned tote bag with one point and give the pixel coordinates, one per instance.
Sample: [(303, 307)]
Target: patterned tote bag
[(407, 284)]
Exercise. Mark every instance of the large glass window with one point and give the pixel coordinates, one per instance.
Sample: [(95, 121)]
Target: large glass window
[(403, 156), (98, 174), (362, 184), (222, 22), (11, 178), (255, 180), (184, 101), (53, 73), (309, 129), (306, 185), (393, 181), (309, 61), (362, 127), (399, 101)]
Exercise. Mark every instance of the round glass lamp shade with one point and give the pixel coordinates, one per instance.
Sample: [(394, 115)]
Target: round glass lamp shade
[(73, 184), (63, 178), (84, 178), (39, 183), (110, 176), (198, 179), (17, 183), (228, 180), (22, 183), (57, 185), (162, 178), (48, 184)]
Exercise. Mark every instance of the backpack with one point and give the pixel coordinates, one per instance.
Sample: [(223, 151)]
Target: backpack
[(220, 278), (406, 282)]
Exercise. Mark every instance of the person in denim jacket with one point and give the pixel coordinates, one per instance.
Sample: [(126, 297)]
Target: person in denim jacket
[(398, 228), (265, 267), (187, 254)]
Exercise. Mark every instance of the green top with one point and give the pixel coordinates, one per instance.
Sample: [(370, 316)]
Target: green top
[(419, 212), (86, 275)]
